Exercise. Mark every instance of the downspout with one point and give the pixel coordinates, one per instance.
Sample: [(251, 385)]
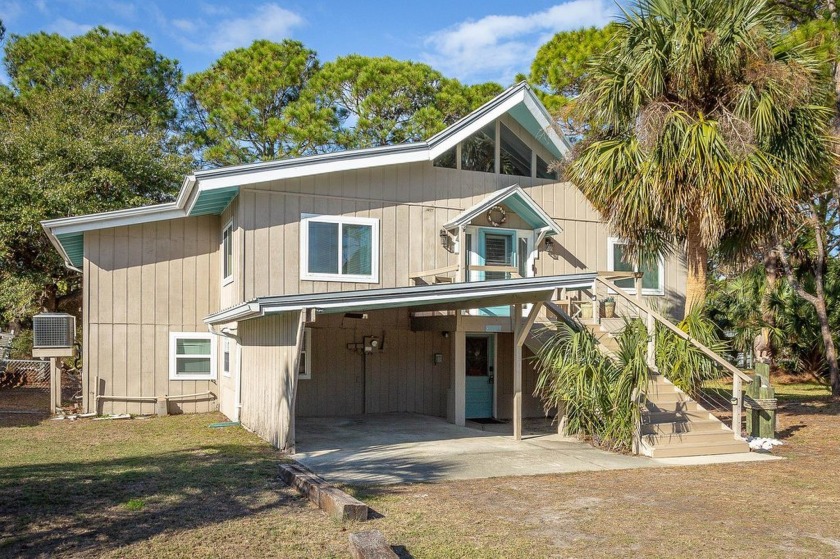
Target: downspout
[(237, 391)]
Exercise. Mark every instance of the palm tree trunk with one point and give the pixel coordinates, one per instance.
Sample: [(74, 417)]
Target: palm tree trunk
[(697, 257), (771, 275)]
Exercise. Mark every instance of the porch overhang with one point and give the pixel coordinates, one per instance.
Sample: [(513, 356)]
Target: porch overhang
[(449, 296), (517, 200)]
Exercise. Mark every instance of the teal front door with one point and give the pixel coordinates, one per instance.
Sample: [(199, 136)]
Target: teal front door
[(480, 377)]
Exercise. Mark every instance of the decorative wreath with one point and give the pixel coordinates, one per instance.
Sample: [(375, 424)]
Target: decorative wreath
[(496, 216)]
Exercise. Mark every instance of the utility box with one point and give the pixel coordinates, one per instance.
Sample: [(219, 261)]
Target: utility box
[(53, 335)]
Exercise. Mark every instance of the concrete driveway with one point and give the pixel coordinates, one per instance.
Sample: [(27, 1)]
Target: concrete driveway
[(407, 448)]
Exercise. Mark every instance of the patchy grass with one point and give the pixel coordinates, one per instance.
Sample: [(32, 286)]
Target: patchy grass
[(172, 487)]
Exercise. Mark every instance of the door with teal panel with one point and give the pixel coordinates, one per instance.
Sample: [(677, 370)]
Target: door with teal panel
[(480, 377), (496, 247)]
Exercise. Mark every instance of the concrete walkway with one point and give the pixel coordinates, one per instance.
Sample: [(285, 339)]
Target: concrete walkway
[(408, 448)]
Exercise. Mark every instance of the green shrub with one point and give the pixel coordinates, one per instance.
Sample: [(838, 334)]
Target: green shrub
[(594, 392)]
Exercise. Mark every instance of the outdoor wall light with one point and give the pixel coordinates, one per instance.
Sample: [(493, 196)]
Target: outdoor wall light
[(549, 244), (444, 238), (438, 358)]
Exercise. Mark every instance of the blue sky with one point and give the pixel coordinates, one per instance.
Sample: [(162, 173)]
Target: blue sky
[(473, 41)]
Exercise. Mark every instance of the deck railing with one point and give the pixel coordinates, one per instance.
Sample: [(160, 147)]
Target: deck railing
[(651, 317)]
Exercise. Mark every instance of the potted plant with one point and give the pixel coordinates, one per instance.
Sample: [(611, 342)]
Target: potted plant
[(609, 307), (586, 309)]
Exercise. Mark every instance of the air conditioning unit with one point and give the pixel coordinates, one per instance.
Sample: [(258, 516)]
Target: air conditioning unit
[(53, 334)]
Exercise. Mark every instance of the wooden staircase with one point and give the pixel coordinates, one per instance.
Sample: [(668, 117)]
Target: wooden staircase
[(672, 423), (675, 425)]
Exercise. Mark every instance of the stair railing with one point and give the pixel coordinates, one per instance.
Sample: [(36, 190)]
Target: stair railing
[(636, 301)]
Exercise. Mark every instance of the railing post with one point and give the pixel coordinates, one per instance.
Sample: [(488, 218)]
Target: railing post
[(737, 404), (637, 285), (651, 348), (596, 307)]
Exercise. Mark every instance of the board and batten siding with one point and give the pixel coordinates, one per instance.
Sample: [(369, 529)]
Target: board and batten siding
[(143, 282), (402, 377), (411, 202), (270, 353)]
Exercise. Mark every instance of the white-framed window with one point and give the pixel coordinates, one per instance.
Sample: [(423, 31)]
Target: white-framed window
[(339, 248), (192, 356), (226, 353), (653, 278), (227, 253), (305, 361)]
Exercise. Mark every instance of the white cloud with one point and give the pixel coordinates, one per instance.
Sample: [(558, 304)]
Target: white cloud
[(499, 46), (267, 21), (68, 28), (9, 11), (41, 6), (185, 25), (124, 10)]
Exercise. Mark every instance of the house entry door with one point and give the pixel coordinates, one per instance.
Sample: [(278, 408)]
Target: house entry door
[(480, 376)]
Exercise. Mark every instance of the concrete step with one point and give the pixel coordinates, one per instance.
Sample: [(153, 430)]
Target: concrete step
[(685, 426), (660, 440), (699, 449)]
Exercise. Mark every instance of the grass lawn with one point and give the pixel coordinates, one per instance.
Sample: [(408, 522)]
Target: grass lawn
[(171, 487)]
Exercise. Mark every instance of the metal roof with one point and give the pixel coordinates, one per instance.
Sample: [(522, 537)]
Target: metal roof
[(465, 295)]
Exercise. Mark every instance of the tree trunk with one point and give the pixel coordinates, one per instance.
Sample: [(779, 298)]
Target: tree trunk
[(830, 348), (771, 275), (697, 257)]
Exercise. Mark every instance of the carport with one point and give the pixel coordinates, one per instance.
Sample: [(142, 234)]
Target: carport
[(284, 318)]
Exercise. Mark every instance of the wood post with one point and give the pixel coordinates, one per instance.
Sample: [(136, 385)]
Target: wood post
[(463, 254), (651, 349), (596, 305), (737, 404), (517, 372), (460, 377), (55, 385)]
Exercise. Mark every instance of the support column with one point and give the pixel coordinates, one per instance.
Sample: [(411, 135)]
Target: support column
[(460, 377), (55, 385), (517, 372), (520, 334)]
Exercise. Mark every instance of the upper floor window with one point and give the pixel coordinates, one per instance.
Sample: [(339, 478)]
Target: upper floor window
[(515, 154), (543, 172), (478, 152), (653, 278), (227, 253), (339, 248), (447, 159)]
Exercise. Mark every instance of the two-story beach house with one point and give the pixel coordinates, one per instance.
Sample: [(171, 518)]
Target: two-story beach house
[(405, 278)]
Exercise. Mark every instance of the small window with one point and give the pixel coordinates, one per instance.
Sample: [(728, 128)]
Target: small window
[(336, 248), (305, 362), (478, 152), (653, 278), (446, 159), (227, 253), (515, 154), (226, 357), (542, 170), (192, 356)]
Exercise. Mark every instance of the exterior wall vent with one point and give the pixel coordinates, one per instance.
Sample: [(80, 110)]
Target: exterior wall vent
[(53, 331)]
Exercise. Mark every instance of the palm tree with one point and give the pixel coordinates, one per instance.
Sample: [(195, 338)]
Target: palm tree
[(706, 128)]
